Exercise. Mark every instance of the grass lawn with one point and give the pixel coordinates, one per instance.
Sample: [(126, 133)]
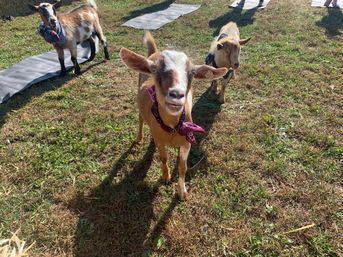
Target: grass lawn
[(270, 163)]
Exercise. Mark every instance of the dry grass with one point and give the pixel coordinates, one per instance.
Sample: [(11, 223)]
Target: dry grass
[(14, 247)]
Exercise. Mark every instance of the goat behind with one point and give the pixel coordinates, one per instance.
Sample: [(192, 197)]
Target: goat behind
[(66, 31)]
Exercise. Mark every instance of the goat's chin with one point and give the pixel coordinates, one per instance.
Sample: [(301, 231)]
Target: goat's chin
[(174, 110)]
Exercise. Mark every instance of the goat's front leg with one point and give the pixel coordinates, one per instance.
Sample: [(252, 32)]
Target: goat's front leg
[(60, 53), (227, 78), (73, 52), (164, 159), (140, 130), (184, 152), (214, 85)]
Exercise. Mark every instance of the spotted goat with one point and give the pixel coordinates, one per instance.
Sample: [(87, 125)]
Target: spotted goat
[(224, 52), (165, 101), (67, 30)]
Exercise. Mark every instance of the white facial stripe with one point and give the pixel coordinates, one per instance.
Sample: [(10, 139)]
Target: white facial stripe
[(48, 9), (177, 61)]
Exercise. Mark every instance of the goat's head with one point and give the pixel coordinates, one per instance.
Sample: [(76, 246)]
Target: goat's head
[(172, 72), (231, 48), (47, 13)]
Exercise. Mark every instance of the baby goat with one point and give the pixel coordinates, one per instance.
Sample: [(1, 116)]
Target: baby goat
[(224, 52), (165, 101), (66, 31)]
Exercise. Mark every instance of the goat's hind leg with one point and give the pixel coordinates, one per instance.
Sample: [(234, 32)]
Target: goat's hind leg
[(73, 52), (100, 35), (93, 49)]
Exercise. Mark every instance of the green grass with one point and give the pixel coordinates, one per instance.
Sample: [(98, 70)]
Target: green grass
[(271, 161)]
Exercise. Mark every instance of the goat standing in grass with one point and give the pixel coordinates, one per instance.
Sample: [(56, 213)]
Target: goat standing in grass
[(66, 31), (165, 101), (224, 52)]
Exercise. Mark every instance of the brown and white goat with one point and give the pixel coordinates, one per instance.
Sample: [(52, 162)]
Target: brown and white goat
[(170, 73), (224, 52), (79, 25)]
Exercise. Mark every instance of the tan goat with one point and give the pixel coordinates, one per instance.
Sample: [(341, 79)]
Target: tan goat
[(66, 31), (165, 100), (224, 52)]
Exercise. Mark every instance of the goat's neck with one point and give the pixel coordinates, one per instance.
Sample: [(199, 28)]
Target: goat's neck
[(168, 119)]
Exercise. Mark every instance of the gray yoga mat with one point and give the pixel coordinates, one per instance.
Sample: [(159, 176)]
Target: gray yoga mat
[(249, 4), (156, 20), (320, 3), (36, 69)]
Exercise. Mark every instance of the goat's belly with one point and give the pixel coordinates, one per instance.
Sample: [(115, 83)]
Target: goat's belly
[(84, 33)]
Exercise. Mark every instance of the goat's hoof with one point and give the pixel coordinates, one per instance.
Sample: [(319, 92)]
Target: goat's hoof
[(183, 196), (139, 141), (77, 71), (107, 57), (90, 58), (167, 181)]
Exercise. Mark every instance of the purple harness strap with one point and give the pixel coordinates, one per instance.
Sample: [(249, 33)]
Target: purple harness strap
[(184, 128)]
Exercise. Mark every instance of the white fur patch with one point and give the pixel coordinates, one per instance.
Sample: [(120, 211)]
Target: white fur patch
[(177, 61)]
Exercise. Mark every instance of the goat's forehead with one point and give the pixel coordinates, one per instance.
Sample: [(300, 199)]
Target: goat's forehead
[(174, 60), (45, 5)]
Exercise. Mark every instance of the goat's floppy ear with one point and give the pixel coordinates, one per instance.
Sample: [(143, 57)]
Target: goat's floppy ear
[(137, 62), (57, 4), (244, 41), (208, 72), (33, 7)]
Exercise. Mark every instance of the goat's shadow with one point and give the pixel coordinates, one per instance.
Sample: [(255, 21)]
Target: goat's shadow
[(332, 22), (238, 15), (116, 217), (204, 113), (150, 9)]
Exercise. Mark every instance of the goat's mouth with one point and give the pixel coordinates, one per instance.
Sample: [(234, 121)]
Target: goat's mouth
[(174, 107)]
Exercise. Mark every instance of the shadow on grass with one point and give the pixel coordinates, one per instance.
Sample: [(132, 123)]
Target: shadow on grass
[(24, 97), (238, 15), (116, 217), (204, 113), (20, 99), (150, 9), (332, 22)]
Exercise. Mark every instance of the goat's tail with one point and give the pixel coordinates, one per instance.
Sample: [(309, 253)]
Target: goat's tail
[(92, 3), (149, 41)]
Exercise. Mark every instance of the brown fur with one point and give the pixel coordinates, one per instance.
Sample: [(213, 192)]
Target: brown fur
[(152, 74), (226, 53)]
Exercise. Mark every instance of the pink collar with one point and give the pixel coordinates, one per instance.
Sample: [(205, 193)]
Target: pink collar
[(184, 128)]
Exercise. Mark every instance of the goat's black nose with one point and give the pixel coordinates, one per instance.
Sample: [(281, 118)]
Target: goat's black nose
[(53, 21), (236, 64), (176, 94)]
